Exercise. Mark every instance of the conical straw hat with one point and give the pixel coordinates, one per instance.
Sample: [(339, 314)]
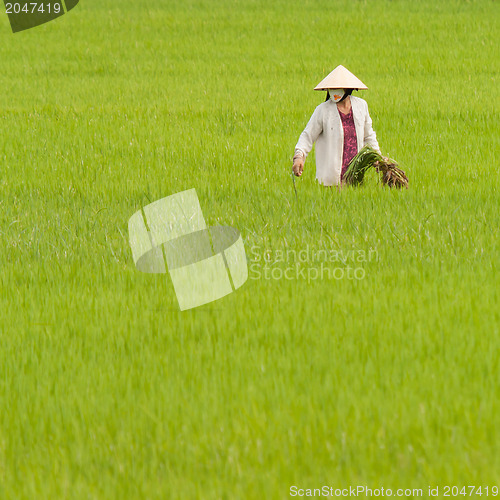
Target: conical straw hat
[(341, 78)]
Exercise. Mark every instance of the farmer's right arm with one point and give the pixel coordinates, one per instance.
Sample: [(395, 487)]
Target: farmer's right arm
[(306, 140)]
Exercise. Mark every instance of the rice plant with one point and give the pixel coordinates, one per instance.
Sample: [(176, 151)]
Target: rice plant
[(390, 174)]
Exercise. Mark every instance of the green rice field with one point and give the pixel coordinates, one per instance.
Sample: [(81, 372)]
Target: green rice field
[(364, 348)]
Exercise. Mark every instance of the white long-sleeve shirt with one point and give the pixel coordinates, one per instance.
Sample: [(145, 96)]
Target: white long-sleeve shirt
[(325, 128)]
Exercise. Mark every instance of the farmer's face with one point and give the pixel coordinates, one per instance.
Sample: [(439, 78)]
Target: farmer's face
[(336, 94)]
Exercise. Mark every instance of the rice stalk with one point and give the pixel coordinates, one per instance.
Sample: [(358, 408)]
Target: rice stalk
[(390, 174)]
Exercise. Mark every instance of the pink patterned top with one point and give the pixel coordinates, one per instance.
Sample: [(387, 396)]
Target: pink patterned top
[(350, 140)]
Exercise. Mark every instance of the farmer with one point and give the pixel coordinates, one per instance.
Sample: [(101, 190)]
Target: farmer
[(341, 125)]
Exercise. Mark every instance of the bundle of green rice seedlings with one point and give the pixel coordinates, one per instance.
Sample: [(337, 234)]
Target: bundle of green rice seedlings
[(367, 157), (358, 166)]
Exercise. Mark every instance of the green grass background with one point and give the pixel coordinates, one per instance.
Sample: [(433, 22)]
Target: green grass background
[(108, 391)]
